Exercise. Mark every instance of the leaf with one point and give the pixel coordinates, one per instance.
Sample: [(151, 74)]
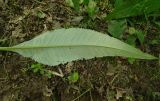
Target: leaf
[(133, 8), (91, 8), (85, 2), (116, 28), (66, 45), (70, 3), (132, 30), (155, 42), (141, 36), (73, 78), (131, 60), (132, 41), (118, 3), (119, 94), (76, 4), (41, 14)]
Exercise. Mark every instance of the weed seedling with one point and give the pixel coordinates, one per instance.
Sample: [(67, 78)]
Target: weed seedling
[(73, 77), (39, 69)]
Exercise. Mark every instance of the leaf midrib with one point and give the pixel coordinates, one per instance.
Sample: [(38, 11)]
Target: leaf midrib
[(59, 46), (55, 46)]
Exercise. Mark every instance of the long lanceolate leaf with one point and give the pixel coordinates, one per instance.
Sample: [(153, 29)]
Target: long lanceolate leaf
[(65, 45)]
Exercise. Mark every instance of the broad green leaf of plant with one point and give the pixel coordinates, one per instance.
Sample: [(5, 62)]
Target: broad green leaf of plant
[(116, 28), (66, 45), (133, 8), (118, 3)]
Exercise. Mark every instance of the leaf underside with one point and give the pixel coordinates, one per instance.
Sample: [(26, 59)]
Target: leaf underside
[(66, 45)]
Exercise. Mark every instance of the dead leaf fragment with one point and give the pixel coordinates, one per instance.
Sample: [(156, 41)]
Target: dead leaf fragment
[(119, 93)]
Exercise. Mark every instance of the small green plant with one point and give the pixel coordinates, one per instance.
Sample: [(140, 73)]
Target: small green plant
[(90, 6), (134, 35), (39, 69), (73, 77), (138, 34)]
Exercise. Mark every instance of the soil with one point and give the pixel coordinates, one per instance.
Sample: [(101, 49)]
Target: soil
[(100, 79)]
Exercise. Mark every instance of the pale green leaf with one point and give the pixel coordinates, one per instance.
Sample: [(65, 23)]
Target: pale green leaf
[(65, 45)]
